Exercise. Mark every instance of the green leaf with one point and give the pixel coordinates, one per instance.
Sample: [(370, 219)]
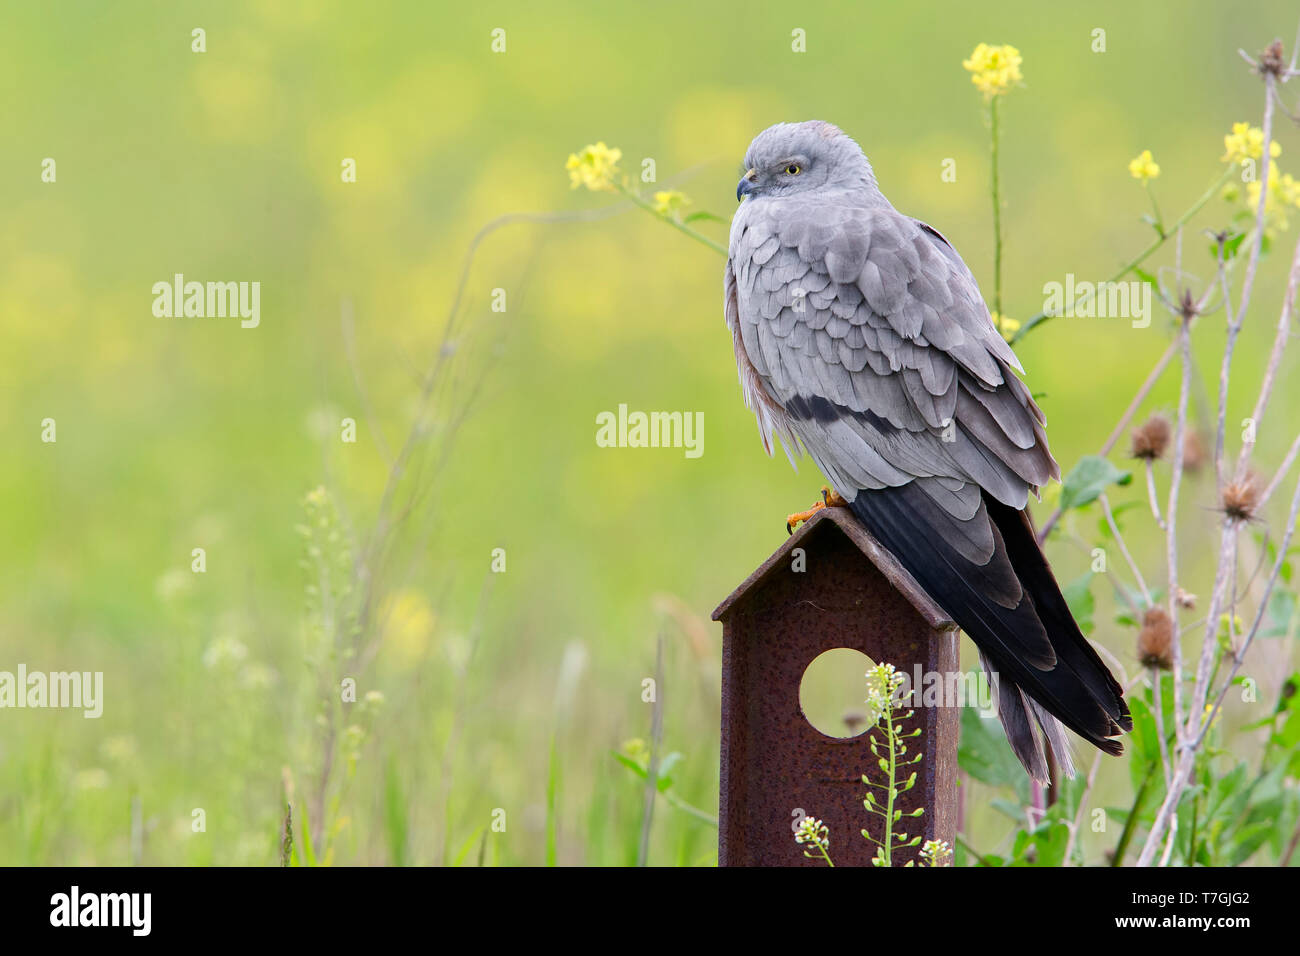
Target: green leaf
[(1246, 840), (666, 771), (1088, 479), (631, 764), (1078, 595), (1230, 247), (308, 856), (468, 845), (1145, 739), (396, 816), (1281, 612), (983, 753)]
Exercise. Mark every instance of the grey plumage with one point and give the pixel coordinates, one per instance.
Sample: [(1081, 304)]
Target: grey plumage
[(861, 337)]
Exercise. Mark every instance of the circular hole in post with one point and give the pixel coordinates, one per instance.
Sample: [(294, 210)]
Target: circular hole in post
[(833, 692)]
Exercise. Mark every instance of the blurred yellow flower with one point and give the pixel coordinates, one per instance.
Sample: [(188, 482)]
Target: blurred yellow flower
[(1283, 191), (1143, 167), (595, 167), (1288, 188), (1005, 324), (1247, 142), (1212, 715), (670, 202), (994, 69), (636, 749), (409, 625)]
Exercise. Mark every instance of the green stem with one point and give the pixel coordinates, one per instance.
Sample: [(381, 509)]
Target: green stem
[(678, 803), (893, 774), (1141, 257), (1155, 207), (679, 226), (997, 218), (981, 859), (1130, 825)]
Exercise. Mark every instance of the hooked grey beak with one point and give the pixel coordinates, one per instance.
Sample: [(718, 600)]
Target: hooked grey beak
[(748, 184)]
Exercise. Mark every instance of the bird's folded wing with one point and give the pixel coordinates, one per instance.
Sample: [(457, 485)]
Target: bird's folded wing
[(866, 329)]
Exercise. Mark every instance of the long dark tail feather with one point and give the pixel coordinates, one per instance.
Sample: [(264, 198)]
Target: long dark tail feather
[(1036, 688), (1032, 732)]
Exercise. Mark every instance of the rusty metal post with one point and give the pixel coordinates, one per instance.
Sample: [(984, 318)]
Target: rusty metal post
[(774, 762)]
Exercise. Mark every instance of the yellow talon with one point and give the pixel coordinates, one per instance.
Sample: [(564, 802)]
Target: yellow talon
[(830, 499), (799, 516)]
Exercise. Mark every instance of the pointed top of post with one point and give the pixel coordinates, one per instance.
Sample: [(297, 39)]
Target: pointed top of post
[(824, 522)]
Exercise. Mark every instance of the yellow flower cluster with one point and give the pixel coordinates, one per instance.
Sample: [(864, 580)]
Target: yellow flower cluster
[(1143, 167), (595, 167), (1283, 193), (1247, 142), (670, 202), (994, 69)]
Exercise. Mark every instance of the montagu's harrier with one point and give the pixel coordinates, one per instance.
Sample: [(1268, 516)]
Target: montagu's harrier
[(861, 336)]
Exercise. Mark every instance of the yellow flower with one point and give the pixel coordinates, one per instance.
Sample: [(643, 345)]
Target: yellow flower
[(409, 625), (994, 69), (636, 750), (670, 202), (1143, 167), (1288, 189), (1247, 142), (595, 167), (1283, 191), (1209, 710)]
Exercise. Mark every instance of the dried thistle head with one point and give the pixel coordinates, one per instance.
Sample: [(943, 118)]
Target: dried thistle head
[(1150, 440), (1156, 640), (1240, 497), (1271, 61)]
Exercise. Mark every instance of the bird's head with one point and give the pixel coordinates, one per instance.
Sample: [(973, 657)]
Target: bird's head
[(791, 158)]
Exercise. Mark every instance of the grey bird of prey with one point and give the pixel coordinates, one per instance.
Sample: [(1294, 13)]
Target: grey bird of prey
[(861, 336)]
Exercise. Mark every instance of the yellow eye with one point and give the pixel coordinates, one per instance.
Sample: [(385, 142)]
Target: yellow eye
[(793, 169)]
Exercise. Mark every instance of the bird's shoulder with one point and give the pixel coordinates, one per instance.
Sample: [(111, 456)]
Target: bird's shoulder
[(868, 265)]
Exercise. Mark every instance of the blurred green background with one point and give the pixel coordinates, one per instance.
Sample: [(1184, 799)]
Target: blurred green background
[(501, 691)]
